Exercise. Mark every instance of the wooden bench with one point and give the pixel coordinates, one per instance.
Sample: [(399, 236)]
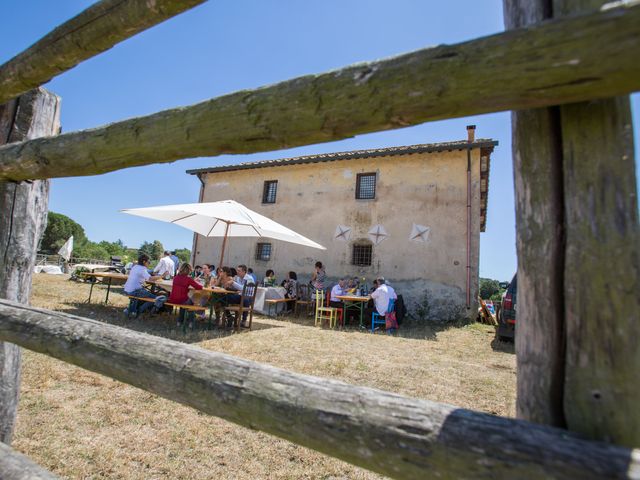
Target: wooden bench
[(189, 308), (276, 301)]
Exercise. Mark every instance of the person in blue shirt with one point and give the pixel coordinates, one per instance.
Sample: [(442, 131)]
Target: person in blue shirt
[(176, 261)]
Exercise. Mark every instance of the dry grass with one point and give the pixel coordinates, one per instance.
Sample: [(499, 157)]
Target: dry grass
[(82, 425)]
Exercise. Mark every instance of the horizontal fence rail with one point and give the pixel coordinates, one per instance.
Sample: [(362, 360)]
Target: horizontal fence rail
[(15, 466), (96, 29), (394, 435), (561, 61)]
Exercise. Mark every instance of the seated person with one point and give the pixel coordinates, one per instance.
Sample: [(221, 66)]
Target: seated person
[(224, 279), (180, 291), (242, 276), (138, 277), (206, 276), (165, 267), (382, 295), (197, 271), (252, 275), (230, 283), (291, 287), (269, 279), (352, 285), (338, 289)]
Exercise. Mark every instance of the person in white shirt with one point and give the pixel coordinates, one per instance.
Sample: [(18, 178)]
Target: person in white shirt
[(382, 295), (242, 277), (338, 289), (165, 267), (138, 277), (238, 283)]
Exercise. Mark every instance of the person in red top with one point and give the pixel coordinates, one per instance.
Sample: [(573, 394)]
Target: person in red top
[(180, 290)]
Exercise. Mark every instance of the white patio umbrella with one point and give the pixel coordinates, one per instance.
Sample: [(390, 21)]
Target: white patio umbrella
[(222, 219)]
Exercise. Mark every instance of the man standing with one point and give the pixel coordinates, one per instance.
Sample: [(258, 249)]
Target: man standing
[(165, 267), (176, 262)]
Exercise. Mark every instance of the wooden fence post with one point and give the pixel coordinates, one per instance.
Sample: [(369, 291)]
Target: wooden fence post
[(22, 223), (540, 243), (579, 258), (602, 265)]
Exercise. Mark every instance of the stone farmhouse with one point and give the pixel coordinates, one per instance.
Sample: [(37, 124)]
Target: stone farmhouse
[(412, 214)]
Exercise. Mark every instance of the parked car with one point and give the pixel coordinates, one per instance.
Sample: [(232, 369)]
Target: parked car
[(506, 329)]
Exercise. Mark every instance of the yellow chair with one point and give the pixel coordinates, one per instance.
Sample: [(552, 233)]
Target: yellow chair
[(324, 313)]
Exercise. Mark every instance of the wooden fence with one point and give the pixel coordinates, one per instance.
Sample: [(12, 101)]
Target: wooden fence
[(576, 214)]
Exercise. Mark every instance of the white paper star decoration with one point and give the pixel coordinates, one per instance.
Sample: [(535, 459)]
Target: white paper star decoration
[(343, 233), (377, 234), (419, 233)]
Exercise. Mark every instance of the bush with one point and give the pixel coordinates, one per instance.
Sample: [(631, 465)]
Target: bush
[(488, 287)]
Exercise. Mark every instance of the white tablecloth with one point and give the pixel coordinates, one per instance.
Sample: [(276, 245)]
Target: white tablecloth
[(267, 293)]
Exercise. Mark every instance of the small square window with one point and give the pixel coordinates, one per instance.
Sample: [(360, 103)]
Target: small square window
[(366, 186), (361, 255), (269, 191), (263, 252)]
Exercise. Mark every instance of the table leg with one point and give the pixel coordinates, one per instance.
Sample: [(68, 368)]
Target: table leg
[(90, 292), (106, 300), (361, 307)]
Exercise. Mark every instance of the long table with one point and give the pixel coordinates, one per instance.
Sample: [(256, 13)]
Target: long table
[(355, 302), (104, 276)]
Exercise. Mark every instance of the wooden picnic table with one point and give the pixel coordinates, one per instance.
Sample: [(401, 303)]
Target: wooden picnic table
[(355, 302), (102, 277)]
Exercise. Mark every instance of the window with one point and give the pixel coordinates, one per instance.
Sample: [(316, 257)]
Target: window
[(269, 191), (366, 186), (263, 251), (361, 255)]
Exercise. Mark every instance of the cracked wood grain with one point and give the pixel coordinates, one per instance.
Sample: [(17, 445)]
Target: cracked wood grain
[(96, 29), (401, 437), (22, 223), (539, 65)]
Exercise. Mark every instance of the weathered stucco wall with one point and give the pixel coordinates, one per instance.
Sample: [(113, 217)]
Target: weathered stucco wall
[(312, 199)]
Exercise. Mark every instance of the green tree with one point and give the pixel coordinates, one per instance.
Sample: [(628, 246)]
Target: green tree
[(158, 249), (154, 249), (184, 254), (488, 287), (114, 248), (91, 250), (59, 229)]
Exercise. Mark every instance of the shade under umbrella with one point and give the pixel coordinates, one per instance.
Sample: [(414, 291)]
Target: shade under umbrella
[(224, 219)]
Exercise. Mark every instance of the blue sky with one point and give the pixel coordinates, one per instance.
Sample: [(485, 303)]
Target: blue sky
[(221, 47)]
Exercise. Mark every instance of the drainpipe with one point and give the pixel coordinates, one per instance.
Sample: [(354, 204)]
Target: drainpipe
[(194, 247), (471, 135)]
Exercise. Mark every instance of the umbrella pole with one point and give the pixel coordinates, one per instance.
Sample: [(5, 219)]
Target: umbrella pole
[(224, 244)]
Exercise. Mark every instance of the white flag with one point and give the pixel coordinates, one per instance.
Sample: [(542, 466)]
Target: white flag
[(66, 249)]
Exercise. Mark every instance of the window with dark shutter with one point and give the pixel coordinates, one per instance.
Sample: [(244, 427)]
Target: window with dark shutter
[(263, 251), (366, 186), (361, 254), (269, 191)]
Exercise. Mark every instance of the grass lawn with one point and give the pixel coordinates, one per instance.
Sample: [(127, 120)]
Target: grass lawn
[(80, 424)]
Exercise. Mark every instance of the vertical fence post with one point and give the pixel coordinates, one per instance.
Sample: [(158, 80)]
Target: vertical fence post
[(24, 214), (540, 244), (602, 265), (579, 258)]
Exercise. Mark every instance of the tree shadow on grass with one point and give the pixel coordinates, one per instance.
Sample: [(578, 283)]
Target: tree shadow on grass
[(162, 325)]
